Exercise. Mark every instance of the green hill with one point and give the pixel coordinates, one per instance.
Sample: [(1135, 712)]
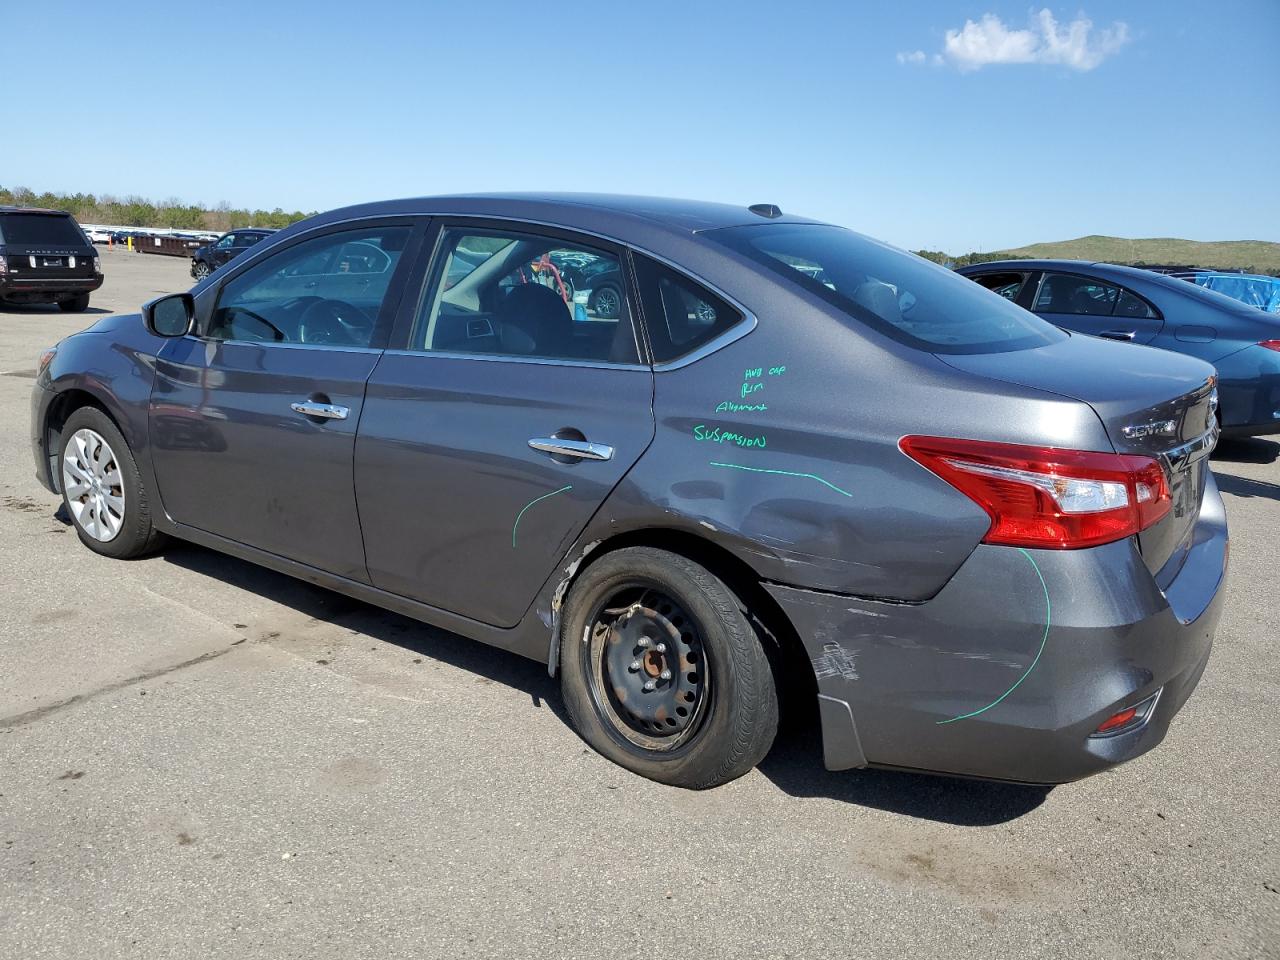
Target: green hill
[(1258, 256)]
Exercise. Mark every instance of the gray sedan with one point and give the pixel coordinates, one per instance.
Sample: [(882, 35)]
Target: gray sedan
[(791, 455)]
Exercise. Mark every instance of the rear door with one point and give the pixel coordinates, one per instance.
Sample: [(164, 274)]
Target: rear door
[(505, 417), (1096, 307), (253, 418)]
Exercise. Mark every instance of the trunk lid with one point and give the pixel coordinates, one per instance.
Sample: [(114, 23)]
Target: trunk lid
[(1152, 402)]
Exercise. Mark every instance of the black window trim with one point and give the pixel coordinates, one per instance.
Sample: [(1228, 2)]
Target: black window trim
[(207, 301), (1046, 272)]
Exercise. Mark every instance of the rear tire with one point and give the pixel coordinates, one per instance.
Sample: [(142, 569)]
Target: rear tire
[(98, 474), (77, 304), (662, 672)]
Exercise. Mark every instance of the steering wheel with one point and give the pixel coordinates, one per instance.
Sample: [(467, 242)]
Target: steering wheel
[(334, 322)]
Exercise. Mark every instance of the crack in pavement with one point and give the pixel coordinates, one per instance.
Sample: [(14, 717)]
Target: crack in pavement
[(39, 713)]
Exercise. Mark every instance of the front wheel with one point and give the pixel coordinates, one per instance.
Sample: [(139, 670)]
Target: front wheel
[(662, 672), (102, 488), (77, 304), (200, 270)]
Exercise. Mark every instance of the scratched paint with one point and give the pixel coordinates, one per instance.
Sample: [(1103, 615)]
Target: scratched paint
[(567, 486), (1048, 611), (783, 473), (836, 661)]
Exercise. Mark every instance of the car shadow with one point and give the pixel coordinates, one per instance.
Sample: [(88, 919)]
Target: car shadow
[(340, 610), (1245, 487), (1246, 450), (38, 308), (794, 765)]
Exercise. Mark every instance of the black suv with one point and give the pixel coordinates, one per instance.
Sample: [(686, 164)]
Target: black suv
[(211, 256), (46, 258)]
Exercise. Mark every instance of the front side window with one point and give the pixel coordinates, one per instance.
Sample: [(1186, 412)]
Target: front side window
[(1008, 285), (679, 314), (225, 242), (517, 294), (896, 293), (310, 293), (1064, 293)]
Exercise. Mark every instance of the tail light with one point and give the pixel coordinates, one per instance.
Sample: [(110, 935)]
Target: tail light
[(1271, 345), (1045, 497)]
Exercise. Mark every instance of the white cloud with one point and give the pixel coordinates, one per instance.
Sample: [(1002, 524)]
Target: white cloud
[(977, 44)]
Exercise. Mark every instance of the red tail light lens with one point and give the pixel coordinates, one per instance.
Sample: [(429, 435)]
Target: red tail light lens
[(1045, 497), (1118, 720), (1271, 345)]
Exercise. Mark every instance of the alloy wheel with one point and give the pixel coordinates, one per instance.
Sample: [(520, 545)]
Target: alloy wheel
[(92, 482)]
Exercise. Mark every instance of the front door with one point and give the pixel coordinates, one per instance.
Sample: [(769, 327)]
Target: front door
[(253, 419), (512, 410)]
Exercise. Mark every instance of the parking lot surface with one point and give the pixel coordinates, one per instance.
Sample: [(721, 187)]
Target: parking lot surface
[(199, 757)]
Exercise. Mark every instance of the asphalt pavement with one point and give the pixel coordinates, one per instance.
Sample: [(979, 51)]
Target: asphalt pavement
[(201, 758)]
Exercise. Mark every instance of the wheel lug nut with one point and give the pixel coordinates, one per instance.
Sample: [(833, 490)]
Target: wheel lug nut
[(635, 664), (643, 642), (650, 684), (665, 675), (661, 648)]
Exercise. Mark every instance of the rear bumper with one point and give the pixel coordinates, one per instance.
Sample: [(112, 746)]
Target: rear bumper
[(40, 290), (971, 683)]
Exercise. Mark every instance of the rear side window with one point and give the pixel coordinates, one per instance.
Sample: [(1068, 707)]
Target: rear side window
[(40, 229), (1008, 285), (521, 294), (900, 295), (680, 314), (1084, 296), (1131, 305)]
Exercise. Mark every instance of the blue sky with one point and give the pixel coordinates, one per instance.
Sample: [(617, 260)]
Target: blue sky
[(952, 125)]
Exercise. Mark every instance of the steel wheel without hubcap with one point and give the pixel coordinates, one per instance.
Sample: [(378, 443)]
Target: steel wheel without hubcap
[(91, 479), (647, 667)]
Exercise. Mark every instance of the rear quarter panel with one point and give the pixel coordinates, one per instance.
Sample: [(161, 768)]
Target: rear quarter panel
[(783, 448)]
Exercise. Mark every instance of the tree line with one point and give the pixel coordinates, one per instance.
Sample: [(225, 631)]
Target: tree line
[(133, 211)]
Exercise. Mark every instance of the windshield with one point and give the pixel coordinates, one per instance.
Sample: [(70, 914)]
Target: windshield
[(40, 229), (902, 296)]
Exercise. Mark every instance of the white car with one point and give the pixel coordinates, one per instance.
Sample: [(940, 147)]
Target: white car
[(97, 234)]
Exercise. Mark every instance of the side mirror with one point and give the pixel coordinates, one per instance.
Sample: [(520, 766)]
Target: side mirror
[(170, 316)]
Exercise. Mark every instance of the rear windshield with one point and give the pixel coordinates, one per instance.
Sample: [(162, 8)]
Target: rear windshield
[(40, 229), (902, 296)]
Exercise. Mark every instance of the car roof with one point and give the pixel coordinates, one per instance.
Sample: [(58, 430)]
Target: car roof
[(8, 208), (1093, 266), (599, 211)]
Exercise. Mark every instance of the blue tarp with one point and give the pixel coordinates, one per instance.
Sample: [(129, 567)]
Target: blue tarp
[(1260, 292)]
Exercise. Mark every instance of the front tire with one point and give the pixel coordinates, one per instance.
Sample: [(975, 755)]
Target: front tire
[(606, 302), (200, 270), (662, 672), (77, 304), (102, 488)]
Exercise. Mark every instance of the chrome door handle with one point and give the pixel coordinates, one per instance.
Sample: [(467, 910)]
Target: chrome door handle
[(572, 448), (326, 411), (1118, 334)]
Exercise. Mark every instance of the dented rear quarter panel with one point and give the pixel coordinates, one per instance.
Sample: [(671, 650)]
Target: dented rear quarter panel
[(807, 484)]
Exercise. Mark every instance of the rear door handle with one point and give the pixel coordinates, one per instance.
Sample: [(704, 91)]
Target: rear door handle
[(1118, 334), (325, 411), (573, 448)]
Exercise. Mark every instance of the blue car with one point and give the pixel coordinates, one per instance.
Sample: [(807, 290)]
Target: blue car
[(1138, 306)]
